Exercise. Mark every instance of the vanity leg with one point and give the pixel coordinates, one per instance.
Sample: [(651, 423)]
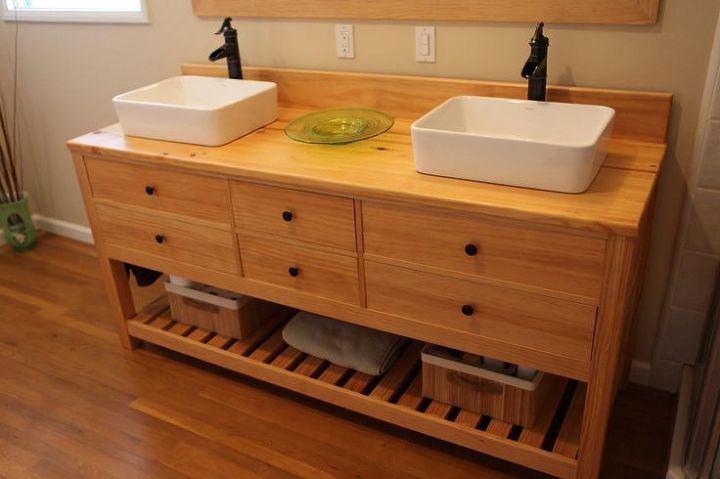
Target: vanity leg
[(121, 300), (114, 276), (605, 361)]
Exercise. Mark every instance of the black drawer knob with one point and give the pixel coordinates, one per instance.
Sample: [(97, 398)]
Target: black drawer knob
[(471, 249), (159, 239), (150, 190), (293, 271), (287, 216), (467, 310)]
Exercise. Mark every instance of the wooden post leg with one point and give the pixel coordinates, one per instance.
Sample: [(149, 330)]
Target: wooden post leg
[(121, 300), (605, 362)]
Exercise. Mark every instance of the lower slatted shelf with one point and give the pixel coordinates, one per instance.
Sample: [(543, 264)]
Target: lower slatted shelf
[(550, 446)]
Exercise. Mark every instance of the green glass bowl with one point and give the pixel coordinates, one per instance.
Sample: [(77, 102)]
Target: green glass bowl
[(339, 125)]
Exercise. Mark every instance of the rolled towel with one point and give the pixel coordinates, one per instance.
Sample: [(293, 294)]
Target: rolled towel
[(356, 347)]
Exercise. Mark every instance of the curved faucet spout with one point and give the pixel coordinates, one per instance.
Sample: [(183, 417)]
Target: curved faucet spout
[(218, 54)]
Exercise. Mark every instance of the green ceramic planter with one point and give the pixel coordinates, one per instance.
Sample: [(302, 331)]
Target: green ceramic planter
[(16, 223)]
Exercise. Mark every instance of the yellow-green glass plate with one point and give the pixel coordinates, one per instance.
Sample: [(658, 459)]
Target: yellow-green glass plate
[(339, 125)]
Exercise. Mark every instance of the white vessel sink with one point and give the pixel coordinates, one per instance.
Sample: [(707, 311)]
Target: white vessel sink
[(542, 145), (200, 110)]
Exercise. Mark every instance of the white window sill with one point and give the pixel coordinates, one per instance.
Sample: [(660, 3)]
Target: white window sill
[(74, 16)]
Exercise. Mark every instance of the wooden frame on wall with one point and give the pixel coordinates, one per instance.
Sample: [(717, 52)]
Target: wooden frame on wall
[(628, 12)]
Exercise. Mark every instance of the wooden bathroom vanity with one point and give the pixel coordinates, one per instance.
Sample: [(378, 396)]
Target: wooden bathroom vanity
[(551, 279)]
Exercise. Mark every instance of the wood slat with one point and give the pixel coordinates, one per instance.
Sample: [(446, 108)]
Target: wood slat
[(468, 418), (499, 428), (334, 374), (219, 340), (270, 347), (179, 328), (310, 366), (534, 436), (161, 322), (199, 335), (567, 440), (398, 373), (288, 358), (438, 409), (358, 382), (412, 397)]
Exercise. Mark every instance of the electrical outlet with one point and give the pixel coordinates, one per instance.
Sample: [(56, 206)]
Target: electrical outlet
[(425, 44), (344, 41)]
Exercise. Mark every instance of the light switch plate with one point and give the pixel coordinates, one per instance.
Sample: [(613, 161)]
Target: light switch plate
[(425, 44), (344, 41)]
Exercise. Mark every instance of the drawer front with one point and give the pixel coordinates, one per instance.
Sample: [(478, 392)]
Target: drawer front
[(468, 244), (196, 196), (318, 273), (533, 321), (168, 237), (296, 215)]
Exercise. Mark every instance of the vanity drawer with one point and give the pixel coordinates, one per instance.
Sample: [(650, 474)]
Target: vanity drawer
[(329, 275), (472, 245), (167, 236), (533, 321), (291, 214), (201, 197)]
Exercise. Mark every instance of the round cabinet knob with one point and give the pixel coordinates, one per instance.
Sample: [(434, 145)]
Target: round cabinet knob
[(293, 271), (471, 249), (287, 216), (467, 310), (159, 239), (150, 190)]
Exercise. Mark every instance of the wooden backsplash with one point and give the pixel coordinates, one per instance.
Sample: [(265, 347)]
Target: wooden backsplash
[(634, 12)]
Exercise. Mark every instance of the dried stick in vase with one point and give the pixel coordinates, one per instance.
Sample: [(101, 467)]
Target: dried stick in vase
[(8, 164)]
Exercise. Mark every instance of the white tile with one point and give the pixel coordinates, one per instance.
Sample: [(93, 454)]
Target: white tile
[(704, 227), (666, 375), (695, 281), (709, 172), (682, 338)]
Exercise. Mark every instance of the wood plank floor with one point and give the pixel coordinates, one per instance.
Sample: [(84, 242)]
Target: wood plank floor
[(74, 404)]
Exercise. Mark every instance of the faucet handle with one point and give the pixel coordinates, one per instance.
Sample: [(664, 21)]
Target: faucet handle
[(538, 38), (226, 25)]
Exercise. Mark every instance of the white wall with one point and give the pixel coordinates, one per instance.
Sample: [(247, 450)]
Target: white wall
[(69, 72)]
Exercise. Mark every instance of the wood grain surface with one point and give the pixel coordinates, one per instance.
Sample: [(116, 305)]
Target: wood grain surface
[(633, 12)]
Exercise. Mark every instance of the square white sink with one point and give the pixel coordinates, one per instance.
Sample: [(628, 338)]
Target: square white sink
[(542, 145), (195, 109)]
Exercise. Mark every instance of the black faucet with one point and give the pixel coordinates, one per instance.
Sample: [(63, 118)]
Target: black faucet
[(229, 50), (535, 69)]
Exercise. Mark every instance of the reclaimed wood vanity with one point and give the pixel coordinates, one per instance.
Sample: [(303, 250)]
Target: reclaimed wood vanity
[(547, 280)]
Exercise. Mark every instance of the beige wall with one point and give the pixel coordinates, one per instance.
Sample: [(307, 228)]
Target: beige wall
[(69, 72)]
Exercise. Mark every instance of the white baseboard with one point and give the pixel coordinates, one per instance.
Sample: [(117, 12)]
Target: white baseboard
[(682, 422), (640, 372), (64, 228)]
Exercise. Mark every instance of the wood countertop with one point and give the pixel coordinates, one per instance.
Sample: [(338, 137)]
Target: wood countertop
[(383, 168)]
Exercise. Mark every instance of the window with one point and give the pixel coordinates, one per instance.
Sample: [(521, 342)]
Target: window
[(112, 11)]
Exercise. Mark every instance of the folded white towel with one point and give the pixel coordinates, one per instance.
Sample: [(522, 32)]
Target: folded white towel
[(356, 347)]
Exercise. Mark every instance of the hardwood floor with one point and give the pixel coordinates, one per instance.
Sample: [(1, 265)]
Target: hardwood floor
[(74, 404)]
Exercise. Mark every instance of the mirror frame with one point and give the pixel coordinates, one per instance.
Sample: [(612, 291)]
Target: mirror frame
[(613, 12)]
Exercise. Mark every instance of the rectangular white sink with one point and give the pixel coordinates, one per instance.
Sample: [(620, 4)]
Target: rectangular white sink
[(195, 109), (542, 145)]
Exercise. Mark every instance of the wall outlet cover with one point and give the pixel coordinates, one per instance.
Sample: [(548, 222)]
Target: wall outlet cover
[(344, 41), (425, 44)]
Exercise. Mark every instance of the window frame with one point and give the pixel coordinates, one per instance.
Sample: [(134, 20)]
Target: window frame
[(73, 16)]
